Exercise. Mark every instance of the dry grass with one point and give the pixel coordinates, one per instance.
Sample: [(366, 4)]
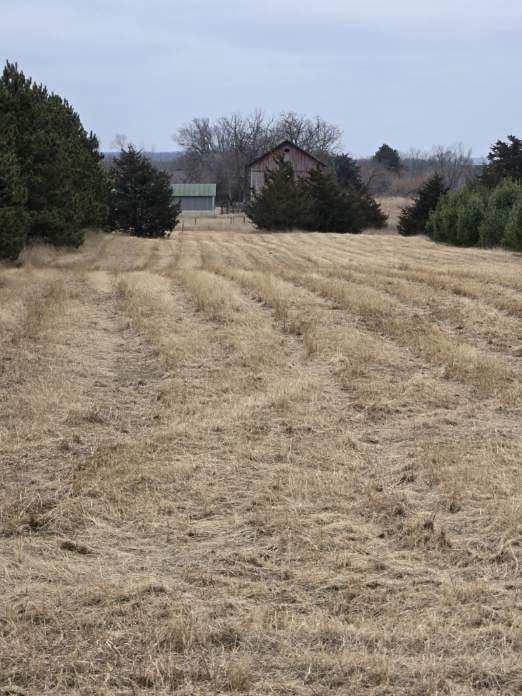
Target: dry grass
[(233, 222), (265, 464), (392, 206)]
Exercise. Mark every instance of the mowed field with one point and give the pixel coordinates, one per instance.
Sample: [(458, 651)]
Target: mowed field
[(257, 463)]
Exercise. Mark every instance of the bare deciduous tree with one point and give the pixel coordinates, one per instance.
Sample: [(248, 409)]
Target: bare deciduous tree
[(220, 150), (454, 164), (120, 141), (376, 177)]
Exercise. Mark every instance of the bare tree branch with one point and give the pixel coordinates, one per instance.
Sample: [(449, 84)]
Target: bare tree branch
[(221, 149)]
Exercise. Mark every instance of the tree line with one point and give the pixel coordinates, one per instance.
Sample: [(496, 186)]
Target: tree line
[(486, 211), (390, 173), (53, 185), (220, 150)]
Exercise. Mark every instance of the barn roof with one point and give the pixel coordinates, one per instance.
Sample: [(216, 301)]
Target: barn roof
[(194, 190), (291, 144)]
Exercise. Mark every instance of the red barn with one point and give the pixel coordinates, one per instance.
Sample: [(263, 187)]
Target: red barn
[(301, 161)]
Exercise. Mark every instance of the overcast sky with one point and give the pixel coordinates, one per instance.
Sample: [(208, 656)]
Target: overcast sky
[(412, 73)]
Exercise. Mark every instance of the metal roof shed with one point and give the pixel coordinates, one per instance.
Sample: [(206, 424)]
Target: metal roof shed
[(197, 199)]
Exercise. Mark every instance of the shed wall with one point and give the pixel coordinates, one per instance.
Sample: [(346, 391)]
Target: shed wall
[(197, 204)]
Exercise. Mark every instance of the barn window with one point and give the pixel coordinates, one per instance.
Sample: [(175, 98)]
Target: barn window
[(287, 149)]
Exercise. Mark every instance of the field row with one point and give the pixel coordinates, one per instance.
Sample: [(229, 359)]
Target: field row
[(241, 463)]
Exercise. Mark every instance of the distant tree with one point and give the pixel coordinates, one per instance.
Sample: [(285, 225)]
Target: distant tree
[(219, 150), (331, 208), (315, 203), (373, 214), (312, 134), (348, 174), (141, 201), (14, 218), (414, 218), (377, 179), (454, 164), (504, 161), (281, 204), (388, 157)]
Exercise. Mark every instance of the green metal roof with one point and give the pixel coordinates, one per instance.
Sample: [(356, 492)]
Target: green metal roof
[(194, 189)]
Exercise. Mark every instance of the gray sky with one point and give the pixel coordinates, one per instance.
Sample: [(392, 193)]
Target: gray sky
[(409, 72)]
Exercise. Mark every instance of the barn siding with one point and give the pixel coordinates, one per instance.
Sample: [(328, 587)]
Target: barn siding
[(300, 161)]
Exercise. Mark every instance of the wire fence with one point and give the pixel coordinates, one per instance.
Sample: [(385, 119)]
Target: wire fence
[(232, 222)]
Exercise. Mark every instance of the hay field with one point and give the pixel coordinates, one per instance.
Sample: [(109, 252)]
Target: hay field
[(267, 464)]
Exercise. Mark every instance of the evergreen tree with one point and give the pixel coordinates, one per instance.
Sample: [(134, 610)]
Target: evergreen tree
[(317, 203), (499, 205), (512, 237), (281, 204), (372, 212), (59, 161), (348, 172), (348, 175), (414, 218), (388, 157), (476, 214), (442, 222), (331, 208), (469, 219), (458, 216), (504, 161), (14, 218), (142, 201)]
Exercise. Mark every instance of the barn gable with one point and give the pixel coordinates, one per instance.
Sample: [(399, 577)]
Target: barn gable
[(302, 162)]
